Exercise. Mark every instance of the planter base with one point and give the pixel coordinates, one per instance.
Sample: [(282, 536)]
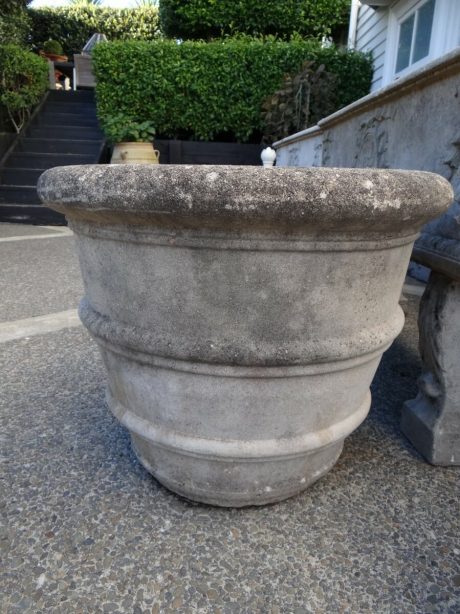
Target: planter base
[(211, 482), (231, 472)]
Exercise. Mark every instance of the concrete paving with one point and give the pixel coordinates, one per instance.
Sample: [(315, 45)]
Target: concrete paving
[(87, 529), (39, 325), (24, 230), (38, 276)]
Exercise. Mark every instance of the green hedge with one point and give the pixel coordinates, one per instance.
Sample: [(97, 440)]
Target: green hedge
[(73, 25), (14, 22), (205, 19), (23, 81), (212, 91)]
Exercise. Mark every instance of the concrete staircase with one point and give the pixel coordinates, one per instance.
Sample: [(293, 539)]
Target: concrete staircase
[(64, 131)]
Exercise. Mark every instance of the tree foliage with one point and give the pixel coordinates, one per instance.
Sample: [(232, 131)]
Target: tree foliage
[(23, 82), (86, 2), (14, 22), (206, 19), (73, 25)]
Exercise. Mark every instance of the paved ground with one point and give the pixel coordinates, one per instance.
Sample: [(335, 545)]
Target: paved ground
[(37, 276), (86, 529)]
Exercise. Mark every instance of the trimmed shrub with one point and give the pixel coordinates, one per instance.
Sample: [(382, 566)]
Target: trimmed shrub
[(53, 47), (205, 19), (213, 91), (73, 25), (23, 82)]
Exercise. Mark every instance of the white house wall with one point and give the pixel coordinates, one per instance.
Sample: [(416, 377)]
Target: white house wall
[(377, 31), (371, 36)]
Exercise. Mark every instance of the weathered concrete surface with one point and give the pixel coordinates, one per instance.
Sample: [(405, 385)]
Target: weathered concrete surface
[(84, 528), (241, 313), (87, 529), (302, 149), (355, 203), (414, 123), (432, 420)]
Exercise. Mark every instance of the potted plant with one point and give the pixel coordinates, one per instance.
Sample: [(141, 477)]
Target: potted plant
[(132, 140), (52, 49)]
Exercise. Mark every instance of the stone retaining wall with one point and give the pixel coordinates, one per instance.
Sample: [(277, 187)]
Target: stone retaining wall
[(412, 124)]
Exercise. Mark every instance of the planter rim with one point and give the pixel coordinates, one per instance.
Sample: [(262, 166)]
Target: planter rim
[(134, 143), (346, 200)]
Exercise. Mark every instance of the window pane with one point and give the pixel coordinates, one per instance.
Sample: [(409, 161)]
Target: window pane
[(405, 41), (423, 32)]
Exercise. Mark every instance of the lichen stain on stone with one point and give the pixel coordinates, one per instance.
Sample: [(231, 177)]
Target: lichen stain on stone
[(318, 195), (212, 177)]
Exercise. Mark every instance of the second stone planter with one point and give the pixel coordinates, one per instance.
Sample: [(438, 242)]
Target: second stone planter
[(241, 312)]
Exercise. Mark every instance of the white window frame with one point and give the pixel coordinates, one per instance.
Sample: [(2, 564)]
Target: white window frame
[(444, 34)]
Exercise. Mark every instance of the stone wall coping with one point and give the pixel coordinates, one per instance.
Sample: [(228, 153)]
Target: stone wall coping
[(324, 199), (299, 136), (434, 71)]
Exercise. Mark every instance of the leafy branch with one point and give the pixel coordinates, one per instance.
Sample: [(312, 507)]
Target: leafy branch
[(302, 100)]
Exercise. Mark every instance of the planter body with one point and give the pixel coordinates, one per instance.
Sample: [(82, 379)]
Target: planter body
[(241, 312), (135, 153)]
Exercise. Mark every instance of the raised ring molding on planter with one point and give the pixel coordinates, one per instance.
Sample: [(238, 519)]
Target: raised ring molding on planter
[(151, 348), (241, 313)]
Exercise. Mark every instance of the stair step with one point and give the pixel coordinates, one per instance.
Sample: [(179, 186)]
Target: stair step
[(20, 176), (66, 119), (30, 214), (21, 194), (71, 96), (65, 132), (67, 146), (71, 107), (70, 100), (44, 161)]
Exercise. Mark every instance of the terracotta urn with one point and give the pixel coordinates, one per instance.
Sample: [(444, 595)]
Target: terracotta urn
[(135, 153), (54, 57), (241, 312)]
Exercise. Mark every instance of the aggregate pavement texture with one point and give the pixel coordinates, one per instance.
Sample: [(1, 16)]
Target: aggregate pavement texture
[(37, 276), (86, 529)]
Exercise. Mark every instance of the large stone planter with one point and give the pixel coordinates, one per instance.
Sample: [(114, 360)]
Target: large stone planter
[(241, 312)]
